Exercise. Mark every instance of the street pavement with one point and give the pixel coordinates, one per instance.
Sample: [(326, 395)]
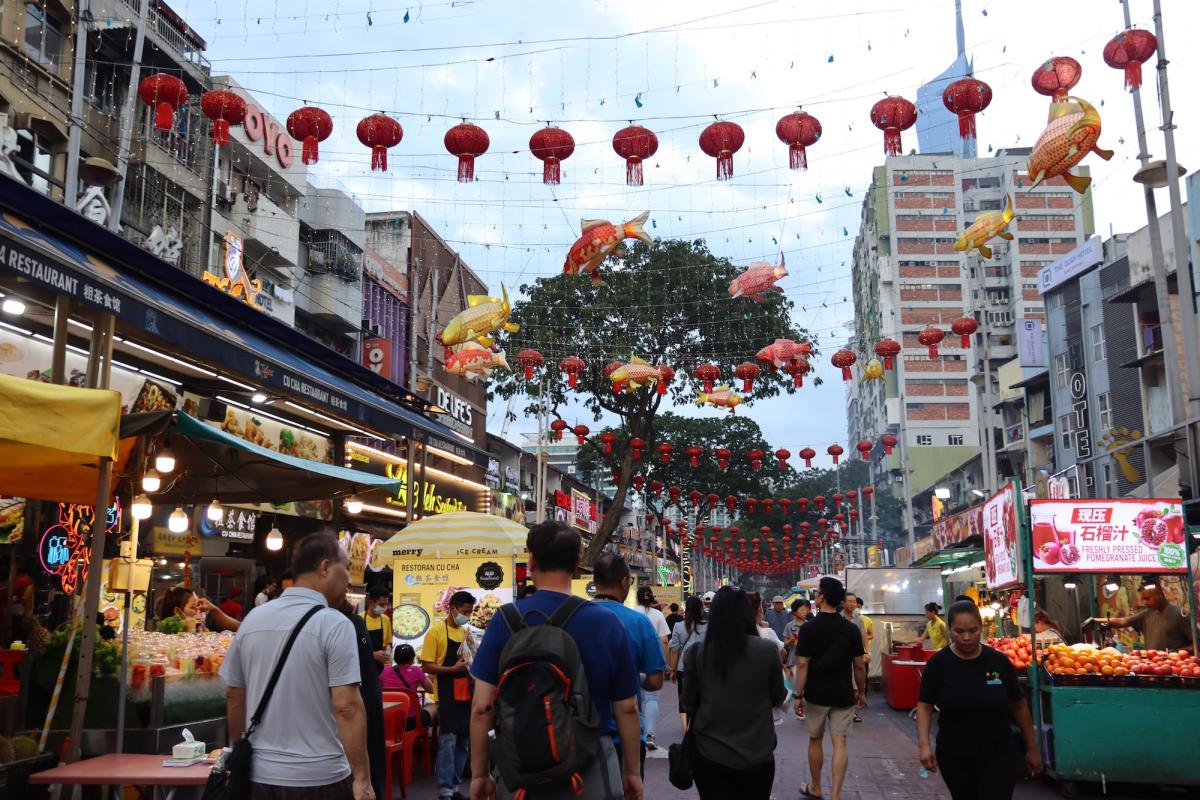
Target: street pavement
[(883, 763)]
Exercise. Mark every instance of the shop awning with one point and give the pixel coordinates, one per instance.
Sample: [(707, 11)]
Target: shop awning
[(950, 558), (52, 439), (463, 533)]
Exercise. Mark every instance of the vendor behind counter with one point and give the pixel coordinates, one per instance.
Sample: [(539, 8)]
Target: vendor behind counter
[(1162, 625)]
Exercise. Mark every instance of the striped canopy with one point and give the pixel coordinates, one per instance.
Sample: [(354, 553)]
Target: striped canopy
[(462, 533)]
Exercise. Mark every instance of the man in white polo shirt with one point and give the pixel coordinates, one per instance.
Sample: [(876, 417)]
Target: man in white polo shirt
[(311, 742)]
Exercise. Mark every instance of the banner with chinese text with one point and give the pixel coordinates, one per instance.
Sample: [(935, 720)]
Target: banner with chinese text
[(1119, 536), (422, 587)]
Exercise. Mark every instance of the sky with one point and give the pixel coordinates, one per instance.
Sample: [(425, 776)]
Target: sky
[(593, 66)]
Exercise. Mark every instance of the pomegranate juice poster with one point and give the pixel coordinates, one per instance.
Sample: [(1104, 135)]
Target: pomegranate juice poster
[(1002, 562), (1132, 535)]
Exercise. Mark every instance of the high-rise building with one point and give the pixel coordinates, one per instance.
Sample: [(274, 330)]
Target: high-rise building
[(937, 127), (908, 276)]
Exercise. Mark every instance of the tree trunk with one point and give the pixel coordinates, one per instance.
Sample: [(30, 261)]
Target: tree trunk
[(639, 427)]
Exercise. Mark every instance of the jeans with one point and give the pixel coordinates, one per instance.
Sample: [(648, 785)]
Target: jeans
[(650, 711), (451, 761)]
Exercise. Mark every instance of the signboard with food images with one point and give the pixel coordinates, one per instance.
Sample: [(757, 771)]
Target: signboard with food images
[(1002, 560), (422, 588), (1109, 536), (358, 547), (586, 588), (12, 519)]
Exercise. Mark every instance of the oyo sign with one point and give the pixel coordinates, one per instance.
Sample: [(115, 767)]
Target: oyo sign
[(261, 128)]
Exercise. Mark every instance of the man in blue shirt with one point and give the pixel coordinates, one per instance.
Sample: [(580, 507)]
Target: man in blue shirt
[(613, 582), (612, 675)]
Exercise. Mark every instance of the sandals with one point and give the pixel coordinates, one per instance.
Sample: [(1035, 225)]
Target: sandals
[(804, 792)]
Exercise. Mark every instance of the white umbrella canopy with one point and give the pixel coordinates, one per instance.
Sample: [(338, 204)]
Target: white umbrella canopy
[(462, 533)]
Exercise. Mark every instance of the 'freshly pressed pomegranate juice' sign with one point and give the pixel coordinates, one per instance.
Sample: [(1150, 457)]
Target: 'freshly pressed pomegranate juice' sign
[(1132, 535)]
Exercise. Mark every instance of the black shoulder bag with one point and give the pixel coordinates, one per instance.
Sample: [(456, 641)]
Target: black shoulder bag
[(231, 779), (680, 757)]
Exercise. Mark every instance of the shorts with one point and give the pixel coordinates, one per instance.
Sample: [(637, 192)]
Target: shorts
[(840, 721)]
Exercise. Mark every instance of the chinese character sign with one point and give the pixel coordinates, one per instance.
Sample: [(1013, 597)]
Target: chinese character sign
[(1002, 561), (1133, 535)]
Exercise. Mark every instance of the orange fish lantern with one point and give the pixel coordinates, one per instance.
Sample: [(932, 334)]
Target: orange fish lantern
[(601, 239), (581, 432), (665, 451), (311, 125), (635, 375), (720, 397), (931, 337), (1071, 134), (694, 451), (1056, 77), (797, 367), (864, 447), (720, 141), (483, 316), (872, 370), (966, 97), (467, 142), (723, 455), (779, 353), (782, 455), (834, 450), (472, 361), (379, 132), (608, 439), (637, 446), (572, 365), (708, 374), (889, 441), (892, 115), (529, 361), (558, 426), (798, 130), (844, 359), (964, 327), (1128, 50), (609, 369), (551, 146), (808, 454), (747, 371), (634, 144), (987, 226), (888, 349), (758, 278)]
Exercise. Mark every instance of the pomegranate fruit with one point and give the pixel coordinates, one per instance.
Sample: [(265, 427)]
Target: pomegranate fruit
[(1069, 554), (1050, 552), (1175, 528), (1154, 531)]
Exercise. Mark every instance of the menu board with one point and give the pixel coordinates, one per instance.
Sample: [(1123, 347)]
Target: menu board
[(422, 588), (1131, 535), (1002, 561)]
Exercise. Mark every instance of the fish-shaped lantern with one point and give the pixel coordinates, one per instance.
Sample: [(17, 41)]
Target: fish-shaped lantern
[(600, 240), (483, 316), (1070, 134), (987, 226), (759, 278), (634, 375), (872, 370), (720, 397), (472, 361), (779, 353)]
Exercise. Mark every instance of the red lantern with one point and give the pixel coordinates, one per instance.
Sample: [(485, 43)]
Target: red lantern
[(888, 349), (638, 482), (756, 457), (844, 359), (783, 455), (530, 360), (797, 367), (837, 499), (637, 446), (675, 492), (931, 337), (767, 505), (551, 146), (851, 495), (747, 371), (693, 453), (713, 499), (808, 454), (864, 447), (666, 374), (965, 327), (666, 450), (608, 439), (558, 426), (751, 505), (695, 497), (466, 141), (731, 503), (798, 130), (892, 115), (723, 455), (966, 97), (868, 491), (708, 373), (1056, 77), (854, 515), (785, 505), (165, 93), (1128, 50), (224, 108), (572, 365), (634, 144), (888, 441), (581, 432), (720, 141), (379, 132), (311, 125), (834, 450)]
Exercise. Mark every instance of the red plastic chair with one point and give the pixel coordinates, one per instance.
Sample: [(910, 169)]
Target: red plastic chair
[(420, 734), (10, 682), (393, 729)]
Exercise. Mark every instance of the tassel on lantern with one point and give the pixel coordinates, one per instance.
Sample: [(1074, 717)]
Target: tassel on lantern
[(164, 117), (220, 132), (725, 165), (308, 151), (466, 168), (1133, 76), (633, 171), (378, 158), (552, 172), (966, 125), (797, 158), (891, 141)]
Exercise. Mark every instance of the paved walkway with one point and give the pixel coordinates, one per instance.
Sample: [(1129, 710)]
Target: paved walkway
[(883, 763)]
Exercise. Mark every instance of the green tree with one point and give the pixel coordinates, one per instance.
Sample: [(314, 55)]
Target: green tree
[(666, 302)]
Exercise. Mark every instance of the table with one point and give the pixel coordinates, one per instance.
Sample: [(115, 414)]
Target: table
[(126, 769)]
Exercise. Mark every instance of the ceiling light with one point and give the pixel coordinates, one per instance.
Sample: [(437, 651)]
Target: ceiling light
[(1111, 585), (978, 493), (275, 538), (215, 512), (164, 461), (178, 521), (258, 397), (151, 482), (162, 562), (1069, 584), (354, 505), (140, 507), (12, 305)]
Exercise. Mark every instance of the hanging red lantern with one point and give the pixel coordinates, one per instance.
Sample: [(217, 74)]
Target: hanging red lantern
[(822, 523), (751, 505), (695, 497), (666, 374), (581, 432), (675, 493), (224, 108), (572, 365), (888, 349), (804, 526), (1128, 50), (965, 327), (756, 457), (311, 125), (634, 144), (844, 359), (798, 130), (767, 504), (852, 495), (797, 367), (616, 474), (723, 455), (165, 93), (558, 426), (665, 451), (551, 146), (720, 141), (785, 505), (931, 337), (808, 454), (888, 441), (731, 503), (966, 97), (713, 499), (837, 499), (747, 371), (529, 360), (854, 515), (637, 446), (864, 447), (1056, 77), (783, 455), (379, 132), (638, 482), (892, 115), (466, 141), (868, 491), (608, 439), (708, 374), (693, 453), (834, 450)]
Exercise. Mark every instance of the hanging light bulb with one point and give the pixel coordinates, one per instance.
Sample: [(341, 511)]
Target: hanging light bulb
[(151, 482), (215, 511), (275, 538), (354, 505), (1069, 584), (140, 507), (178, 521), (164, 460), (1111, 585)]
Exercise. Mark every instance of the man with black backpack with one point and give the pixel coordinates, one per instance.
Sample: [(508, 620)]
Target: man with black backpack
[(554, 676)]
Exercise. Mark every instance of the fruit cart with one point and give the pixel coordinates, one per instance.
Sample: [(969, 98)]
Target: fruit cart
[(1080, 690)]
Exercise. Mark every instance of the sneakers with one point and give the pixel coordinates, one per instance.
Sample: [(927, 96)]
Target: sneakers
[(650, 745)]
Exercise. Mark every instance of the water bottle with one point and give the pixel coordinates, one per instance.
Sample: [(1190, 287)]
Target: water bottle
[(922, 772)]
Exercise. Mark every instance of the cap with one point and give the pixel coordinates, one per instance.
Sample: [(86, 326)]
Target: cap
[(645, 594), (708, 597), (777, 598)]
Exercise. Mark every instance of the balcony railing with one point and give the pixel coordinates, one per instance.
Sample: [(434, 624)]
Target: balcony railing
[(169, 32)]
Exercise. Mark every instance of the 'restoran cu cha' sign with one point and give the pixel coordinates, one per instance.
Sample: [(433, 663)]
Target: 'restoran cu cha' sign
[(1128, 535)]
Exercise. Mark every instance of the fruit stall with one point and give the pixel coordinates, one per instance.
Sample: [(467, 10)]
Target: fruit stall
[(1079, 690)]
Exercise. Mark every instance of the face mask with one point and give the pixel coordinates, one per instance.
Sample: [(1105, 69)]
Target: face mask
[(380, 610), (461, 620)]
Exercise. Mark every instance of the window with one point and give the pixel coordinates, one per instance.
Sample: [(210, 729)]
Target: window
[(925, 439), (1098, 353), (1106, 471), (43, 36), (1062, 371), (954, 439), (34, 160), (1064, 430), (1104, 413)]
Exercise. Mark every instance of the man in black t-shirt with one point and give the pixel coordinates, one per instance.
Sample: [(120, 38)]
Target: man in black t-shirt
[(829, 652)]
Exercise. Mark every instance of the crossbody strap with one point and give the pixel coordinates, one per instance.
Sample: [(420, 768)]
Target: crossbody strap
[(287, 649)]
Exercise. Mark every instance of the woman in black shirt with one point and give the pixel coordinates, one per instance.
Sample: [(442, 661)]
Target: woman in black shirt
[(977, 695)]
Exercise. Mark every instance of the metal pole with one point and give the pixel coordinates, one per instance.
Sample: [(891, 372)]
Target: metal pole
[(75, 123), (58, 355), (909, 521), (127, 115), (988, 441)]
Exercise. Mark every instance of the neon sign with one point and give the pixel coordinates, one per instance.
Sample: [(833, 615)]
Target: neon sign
[(65, 547), (237, 282)]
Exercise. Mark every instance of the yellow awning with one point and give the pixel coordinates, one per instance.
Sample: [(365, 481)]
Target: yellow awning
[(458, 533), (53, 437)]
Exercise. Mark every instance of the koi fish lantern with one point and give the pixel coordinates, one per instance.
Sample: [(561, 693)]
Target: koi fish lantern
[(758, 279), (483, 317), (600, 240), (873, 370), (572, 366), (694, 452), (472, 361), (779, 352), (723, 455), (986, 226), (782, 455), (581, 432), (808, 454), (888, 349), (1071, 133), (638, 373), (720, 397)]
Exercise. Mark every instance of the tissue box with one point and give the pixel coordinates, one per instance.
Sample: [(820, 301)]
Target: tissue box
[(191, 749)]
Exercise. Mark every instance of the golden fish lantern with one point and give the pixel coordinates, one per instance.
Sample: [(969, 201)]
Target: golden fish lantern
[(873, 371)]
